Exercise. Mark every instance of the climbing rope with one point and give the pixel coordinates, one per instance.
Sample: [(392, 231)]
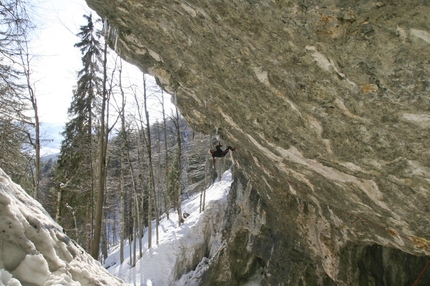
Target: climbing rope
[(422, 272)]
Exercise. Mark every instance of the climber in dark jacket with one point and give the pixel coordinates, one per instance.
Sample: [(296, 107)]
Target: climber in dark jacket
[(219, 152)]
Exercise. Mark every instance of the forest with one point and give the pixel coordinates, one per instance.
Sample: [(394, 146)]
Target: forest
[(116, 170)]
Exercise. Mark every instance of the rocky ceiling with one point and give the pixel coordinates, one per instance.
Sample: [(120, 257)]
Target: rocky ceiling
[(328, 103)]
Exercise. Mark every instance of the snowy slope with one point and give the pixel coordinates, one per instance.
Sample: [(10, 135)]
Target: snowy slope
[(180, 249), (35, 251)]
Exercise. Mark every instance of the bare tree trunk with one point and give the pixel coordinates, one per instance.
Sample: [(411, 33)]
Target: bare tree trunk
[(37, 148), (134, 237), (59, 209), (130, 231), (88, 226), (159, 188), (148, 147), (122, 183), (179, 185), (59, 204), (25, 58), (104, 238), (151, 169), (166, 197), (136, 200), (76, 225), (140, 158), (101, 165), (122, 212), (106, 225), (137, 225), (90, 230)]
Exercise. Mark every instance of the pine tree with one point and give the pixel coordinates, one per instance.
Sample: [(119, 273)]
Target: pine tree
[(75, 168)]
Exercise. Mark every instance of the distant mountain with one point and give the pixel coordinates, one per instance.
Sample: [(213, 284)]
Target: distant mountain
[(51, 138), (47, 155)]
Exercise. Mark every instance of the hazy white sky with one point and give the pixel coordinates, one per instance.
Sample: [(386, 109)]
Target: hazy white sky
[(57, 60)]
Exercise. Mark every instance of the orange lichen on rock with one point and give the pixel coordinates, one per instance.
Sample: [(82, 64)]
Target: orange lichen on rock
[(421, 242)]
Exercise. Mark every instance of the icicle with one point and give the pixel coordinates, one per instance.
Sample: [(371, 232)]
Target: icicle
[(116, 39), (108, 32), (216, 134), (105, 28)]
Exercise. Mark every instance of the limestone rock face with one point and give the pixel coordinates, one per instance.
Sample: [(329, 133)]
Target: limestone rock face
[(328, 102)]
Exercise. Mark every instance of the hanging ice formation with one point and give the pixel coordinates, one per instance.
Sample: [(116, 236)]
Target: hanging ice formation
[(110, 33), (115, 33)]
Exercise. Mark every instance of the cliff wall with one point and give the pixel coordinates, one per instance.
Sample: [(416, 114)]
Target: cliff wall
[(328, 103)]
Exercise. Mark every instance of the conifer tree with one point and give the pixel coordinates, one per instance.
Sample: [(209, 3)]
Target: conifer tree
[(75, 168)]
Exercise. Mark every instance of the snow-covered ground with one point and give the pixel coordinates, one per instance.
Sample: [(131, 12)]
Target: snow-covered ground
[(183, 252), (35, 251)]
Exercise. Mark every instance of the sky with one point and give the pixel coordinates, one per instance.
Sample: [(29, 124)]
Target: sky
[(56, 62), (56, 59)]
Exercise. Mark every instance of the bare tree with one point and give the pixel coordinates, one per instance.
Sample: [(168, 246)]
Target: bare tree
[(166, 197), (122, 157), (179, 164), (159, 184), (101, 162), (35, 142), (151, 169), (135, 209), (15, 26)]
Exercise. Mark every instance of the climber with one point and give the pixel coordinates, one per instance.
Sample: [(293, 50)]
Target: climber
[(219, 152)]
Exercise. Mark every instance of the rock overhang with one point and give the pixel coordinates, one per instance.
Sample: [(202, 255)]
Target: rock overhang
[(328, 101)]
